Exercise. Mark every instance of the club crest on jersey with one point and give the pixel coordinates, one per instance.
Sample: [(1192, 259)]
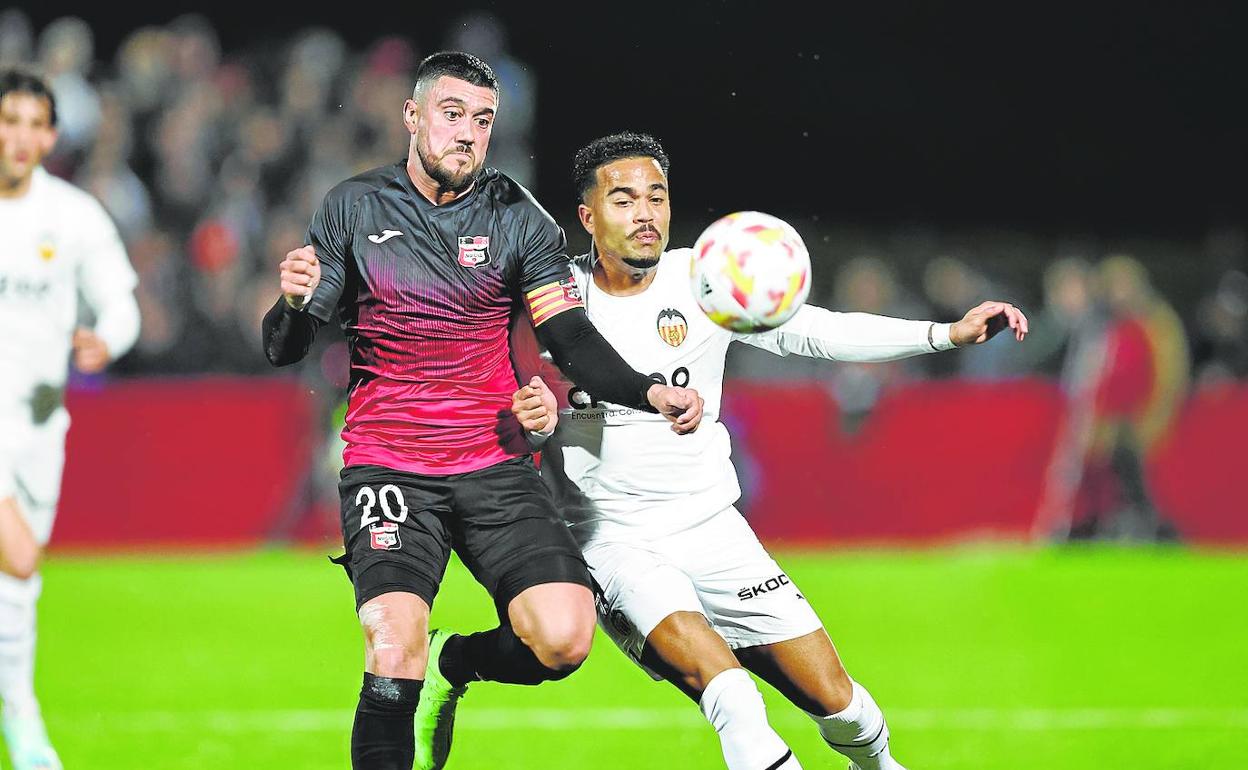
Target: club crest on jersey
[(385, 536), (474, 250), (47, 251), (571, 292), (673, 328)]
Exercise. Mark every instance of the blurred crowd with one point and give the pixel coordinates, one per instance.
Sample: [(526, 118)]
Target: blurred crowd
[(211, 162)]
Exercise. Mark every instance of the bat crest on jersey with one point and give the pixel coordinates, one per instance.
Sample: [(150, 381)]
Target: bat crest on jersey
[(571, 292), (672, 326), (474, 250)]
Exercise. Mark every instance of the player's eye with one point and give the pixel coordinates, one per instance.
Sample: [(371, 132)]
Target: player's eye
[(483, 123), (658, 200), (451, 115), (623, 202)]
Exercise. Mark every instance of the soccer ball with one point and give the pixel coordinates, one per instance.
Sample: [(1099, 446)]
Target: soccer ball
[(750, 271)]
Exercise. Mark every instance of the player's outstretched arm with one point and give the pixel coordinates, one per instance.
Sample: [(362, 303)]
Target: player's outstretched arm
[(867, 338), (288, 329), (982, 322), (581, 353)]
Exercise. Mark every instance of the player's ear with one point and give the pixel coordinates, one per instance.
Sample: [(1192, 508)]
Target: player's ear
[(411, 111), (586, 215), (48, 142)]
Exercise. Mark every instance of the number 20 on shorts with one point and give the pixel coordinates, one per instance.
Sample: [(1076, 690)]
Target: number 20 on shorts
[(389, 498)]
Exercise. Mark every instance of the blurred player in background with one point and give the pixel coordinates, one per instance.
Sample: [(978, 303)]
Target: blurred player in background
[(426, 261), (57, 245), (684, 587)]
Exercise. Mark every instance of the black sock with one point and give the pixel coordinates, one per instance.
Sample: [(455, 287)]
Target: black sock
[(382, 738), (496, 655)]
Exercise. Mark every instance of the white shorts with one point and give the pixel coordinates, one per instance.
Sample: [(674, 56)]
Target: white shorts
[(32, 458), (717, 569)]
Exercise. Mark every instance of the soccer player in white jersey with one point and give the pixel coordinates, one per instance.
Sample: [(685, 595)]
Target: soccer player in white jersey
[(57, 245), (684, 587)]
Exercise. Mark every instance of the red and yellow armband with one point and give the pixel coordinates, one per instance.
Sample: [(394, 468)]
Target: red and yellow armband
[(546, 302)]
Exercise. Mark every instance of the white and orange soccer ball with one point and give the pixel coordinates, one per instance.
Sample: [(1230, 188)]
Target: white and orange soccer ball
[(750, 271)]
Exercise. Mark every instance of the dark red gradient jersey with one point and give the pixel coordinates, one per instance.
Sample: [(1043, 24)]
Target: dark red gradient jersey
[(425, 295)]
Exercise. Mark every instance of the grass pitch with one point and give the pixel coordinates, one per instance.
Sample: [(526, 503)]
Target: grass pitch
[(1089, 657)]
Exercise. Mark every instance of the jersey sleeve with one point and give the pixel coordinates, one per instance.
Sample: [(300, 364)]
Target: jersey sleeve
[(330, 234), (106, 279), (861, 337), (546, 279)]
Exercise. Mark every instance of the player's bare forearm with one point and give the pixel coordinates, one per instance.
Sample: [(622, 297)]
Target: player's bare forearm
[(982, 322)]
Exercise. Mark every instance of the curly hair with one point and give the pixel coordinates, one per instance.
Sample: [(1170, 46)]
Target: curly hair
[(608, 149)]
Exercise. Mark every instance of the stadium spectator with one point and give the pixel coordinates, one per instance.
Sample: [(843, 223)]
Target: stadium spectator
[(17, 39), (1124, 387), (484, 34), (1220, 350), (67, 55)]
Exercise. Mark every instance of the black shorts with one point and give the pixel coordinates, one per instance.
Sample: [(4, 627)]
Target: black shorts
[(398, 530)]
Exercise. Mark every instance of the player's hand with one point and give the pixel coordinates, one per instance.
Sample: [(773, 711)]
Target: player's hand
[(683, 406), (535, 407), (982, 322), (90, 352), (301, 274)]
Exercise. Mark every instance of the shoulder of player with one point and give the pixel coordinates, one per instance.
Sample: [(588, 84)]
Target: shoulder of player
[(676, 261), (85, 209), (67, 192), (511, 194), (349, 191)]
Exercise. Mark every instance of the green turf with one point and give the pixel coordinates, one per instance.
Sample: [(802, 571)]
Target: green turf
[(983, 658)]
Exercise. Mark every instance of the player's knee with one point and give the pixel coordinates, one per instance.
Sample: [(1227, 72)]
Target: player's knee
[(836, 692), (395, 645), (563, 651), (401, 661)]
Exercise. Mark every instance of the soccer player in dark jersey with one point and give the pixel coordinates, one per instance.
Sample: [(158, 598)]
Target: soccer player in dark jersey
[(427, 261)]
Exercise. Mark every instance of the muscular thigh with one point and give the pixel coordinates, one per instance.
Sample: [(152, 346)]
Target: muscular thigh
[(635, 589), (506, 531), (748, 597), (395, 532)]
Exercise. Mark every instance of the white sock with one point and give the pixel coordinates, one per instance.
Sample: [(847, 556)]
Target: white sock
[(17, 645), (734, 706), (859, 732)]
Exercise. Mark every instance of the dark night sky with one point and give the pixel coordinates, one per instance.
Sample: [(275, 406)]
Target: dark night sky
[(1119, 119)]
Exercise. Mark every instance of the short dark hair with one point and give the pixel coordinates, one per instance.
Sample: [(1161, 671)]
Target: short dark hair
[(15, 80), (607, 149), (455, 64)]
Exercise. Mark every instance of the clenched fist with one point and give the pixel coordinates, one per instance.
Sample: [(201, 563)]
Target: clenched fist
[(534, 405), (681, 406), (301, 273)]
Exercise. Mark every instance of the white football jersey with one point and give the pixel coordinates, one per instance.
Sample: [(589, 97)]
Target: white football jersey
[(57, 244), (621, 473)]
